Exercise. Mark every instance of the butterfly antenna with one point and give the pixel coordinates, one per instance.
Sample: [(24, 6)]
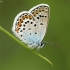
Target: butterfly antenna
[(52, 44)]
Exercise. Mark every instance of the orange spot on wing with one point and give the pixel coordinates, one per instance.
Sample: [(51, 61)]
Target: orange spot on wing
[(19, 24), (30, 17), (21, 21), (23, 17), (34, 13), (37, 11), (26, 16), (17, 29), (40, 9)]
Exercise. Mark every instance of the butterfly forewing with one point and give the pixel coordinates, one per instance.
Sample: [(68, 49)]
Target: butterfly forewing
[(25, 27), (41, 15)]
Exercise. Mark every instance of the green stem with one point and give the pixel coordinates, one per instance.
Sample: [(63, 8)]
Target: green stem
[(6, 32)]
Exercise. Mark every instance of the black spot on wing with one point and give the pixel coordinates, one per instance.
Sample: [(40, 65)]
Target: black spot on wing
[(45, 16), (31, 22), (24, 25), (35, 32), (41, 23), (21, 35), (34, 24), (42, 10), (25, 22), (42, 16), (37, 17), (23, 28), (30, 33), (29, 28)]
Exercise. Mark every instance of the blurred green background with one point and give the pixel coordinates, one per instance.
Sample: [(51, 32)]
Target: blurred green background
[(15, 57)]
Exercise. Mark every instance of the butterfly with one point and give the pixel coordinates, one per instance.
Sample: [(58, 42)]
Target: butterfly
[(30, 26)]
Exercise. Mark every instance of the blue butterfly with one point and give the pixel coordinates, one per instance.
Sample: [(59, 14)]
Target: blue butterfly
[(30, 26)]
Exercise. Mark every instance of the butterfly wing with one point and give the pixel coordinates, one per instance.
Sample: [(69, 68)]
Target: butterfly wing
[(41, 15), (24, 28), (30, 27)]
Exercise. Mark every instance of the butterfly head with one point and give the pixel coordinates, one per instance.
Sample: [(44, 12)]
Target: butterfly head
[(41, 45)]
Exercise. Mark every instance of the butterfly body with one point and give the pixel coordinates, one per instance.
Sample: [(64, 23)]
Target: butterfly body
[(30, 26)]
